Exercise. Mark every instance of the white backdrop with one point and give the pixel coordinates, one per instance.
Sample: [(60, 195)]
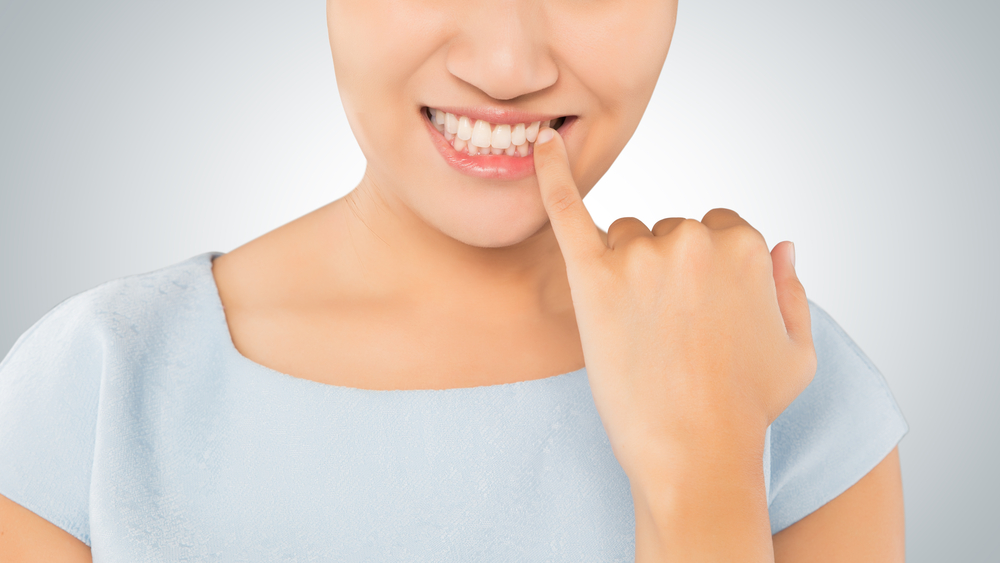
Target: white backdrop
[(134, 134)]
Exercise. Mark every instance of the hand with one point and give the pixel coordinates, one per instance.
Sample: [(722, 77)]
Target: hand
[(695, 337)]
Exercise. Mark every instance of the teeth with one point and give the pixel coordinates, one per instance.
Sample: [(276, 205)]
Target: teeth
[(481, 134), (501, 137), (464, 128), (532, 132), (480, 137), (517, 135)]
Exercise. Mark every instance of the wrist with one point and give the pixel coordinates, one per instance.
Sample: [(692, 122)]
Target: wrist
[(694, 512), (737, 453)]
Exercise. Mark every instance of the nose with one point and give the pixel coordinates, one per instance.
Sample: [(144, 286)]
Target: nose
[(501, 48)]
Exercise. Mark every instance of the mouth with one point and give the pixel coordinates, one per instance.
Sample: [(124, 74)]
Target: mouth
[(496, 147)]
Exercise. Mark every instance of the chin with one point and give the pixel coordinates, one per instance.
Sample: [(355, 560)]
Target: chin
[(493, 229)]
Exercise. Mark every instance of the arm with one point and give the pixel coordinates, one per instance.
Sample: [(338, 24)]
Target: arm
[(706, 507), (696, 338), (26, 537), (701, 521), (864, 523)]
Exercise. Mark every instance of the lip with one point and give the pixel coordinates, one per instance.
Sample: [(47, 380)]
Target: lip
[(499, 116), (492, 166)]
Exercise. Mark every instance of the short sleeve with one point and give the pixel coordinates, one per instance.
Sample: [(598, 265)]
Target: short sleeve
[(843, 424), (49, 392)]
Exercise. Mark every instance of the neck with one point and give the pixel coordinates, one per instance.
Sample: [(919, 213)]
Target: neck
[(380, 247)]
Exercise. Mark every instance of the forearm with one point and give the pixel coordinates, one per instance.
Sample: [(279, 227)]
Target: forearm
[(702, 511)]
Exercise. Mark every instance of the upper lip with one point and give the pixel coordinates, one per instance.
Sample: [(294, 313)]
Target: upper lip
[(499, 116)]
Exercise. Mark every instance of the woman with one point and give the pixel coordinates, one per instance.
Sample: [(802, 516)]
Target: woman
[(399, 374)]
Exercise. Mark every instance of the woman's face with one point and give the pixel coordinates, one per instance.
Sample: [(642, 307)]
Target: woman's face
[(491, 69)]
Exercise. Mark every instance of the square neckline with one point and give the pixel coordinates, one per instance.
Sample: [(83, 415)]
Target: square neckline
[(207, 259)]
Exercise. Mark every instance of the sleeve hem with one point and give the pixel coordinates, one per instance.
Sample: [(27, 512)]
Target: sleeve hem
[(883, 385), (781, 521), (74, 529)]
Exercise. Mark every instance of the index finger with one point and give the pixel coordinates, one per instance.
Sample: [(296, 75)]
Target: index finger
[(574, 228)]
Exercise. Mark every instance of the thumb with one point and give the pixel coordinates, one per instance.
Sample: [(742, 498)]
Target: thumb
[(791, 295), (574, 228)]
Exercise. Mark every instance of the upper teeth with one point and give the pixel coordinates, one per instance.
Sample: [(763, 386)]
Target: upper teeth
[(482, 137)]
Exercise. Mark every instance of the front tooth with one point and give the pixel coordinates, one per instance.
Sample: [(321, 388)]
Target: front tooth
[(494, 150), (448, 136), (439, 117), (532, 132), (509, 151), (517, 135), (501, 137), (481, 134), (459, 145), (522, 149), (473, 149), (451, 123), (464, 131)]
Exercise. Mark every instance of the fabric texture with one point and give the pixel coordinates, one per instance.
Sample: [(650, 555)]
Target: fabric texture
[(128, 419)]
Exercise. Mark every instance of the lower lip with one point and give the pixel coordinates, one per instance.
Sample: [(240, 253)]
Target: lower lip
[(492, 166)]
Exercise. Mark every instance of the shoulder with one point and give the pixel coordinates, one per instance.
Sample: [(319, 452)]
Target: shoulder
[(830, 338), (123, 313), (842, 367), (840, 427), (88, 351), (151, 296), (847, 384)]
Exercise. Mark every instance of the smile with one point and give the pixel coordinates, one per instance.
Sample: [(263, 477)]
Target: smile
[(482, 137), (489, 149)]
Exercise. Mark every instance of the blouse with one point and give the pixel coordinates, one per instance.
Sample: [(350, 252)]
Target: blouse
[(129, 420)]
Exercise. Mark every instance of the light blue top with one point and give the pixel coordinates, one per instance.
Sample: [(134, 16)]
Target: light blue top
[(128, 419)]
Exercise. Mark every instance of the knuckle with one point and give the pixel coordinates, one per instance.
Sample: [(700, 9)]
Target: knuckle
[(691, 228), (747, 235), (747, 242), (716, 211), (562, 200), (809, 365), (798, 292), (665, 225), (691, 234), (622, 223), (643, 247), (719, 214), (690, 245), (549, 158), (642, 257)]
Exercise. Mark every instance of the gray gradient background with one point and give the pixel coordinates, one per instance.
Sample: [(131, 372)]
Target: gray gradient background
[(134, 134)]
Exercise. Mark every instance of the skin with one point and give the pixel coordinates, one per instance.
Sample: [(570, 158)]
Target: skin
[(695, 335)]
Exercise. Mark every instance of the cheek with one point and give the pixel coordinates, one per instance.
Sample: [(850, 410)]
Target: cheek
[(618, 62), (376, 53), (623, 49)]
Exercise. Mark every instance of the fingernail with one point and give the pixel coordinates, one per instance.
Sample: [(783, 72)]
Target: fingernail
[(545, 135), (792, 254)]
